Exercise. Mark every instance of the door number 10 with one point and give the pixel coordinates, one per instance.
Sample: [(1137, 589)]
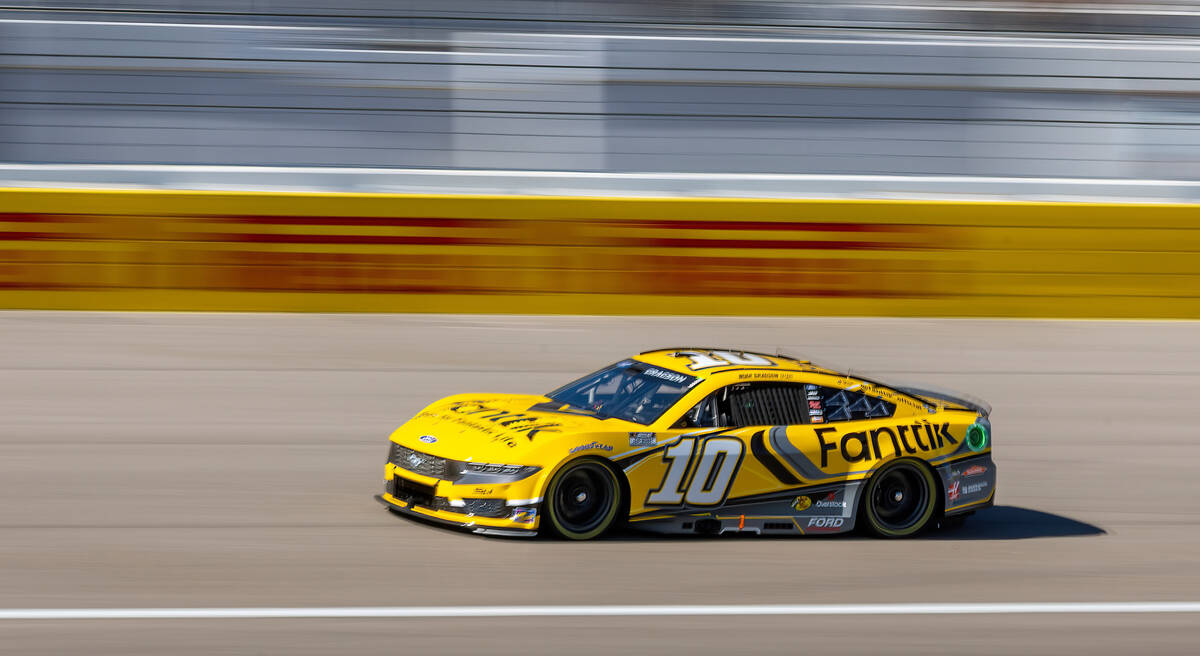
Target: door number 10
[(712, 468)]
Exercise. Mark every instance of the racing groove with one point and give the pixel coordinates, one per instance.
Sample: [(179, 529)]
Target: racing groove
[(215, 460)]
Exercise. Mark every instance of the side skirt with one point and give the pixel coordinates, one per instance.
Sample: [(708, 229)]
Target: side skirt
[(821, 510)]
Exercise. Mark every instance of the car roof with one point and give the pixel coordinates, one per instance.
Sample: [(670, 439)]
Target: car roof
[(683, 358)]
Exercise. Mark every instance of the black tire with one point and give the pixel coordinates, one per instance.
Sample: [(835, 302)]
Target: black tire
[(583, 500), (900, 500)]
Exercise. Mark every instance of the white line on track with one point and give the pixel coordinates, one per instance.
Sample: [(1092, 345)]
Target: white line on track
[(597, 175), (597, 611)]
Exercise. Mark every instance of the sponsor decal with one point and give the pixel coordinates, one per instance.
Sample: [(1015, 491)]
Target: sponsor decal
[(860, 446), (817, 419), (507, 422), (952, 492), (428, 439), (814, 413), (484, 490), (814, 405), (642, 439), (974, 488), (801, 504), (974, 470), (826, 523), (415, 459), (977, 436), (666, 374), (810, 387), (591, 447), (830, 501)]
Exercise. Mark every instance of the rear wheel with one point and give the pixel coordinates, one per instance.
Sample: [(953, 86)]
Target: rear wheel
[(900, 500), (583, 500)]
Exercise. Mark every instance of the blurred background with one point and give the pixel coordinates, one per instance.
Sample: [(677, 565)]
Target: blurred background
[(875, 99), (838, 179)]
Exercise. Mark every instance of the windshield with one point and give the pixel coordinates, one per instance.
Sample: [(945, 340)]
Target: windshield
[(629, 390)]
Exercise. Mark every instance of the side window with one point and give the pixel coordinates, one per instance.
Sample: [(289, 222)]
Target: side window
[(750, 404), (712, 412), (845, 405)]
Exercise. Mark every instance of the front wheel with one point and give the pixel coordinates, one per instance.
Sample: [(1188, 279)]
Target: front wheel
[(900, 500), (583, 500)]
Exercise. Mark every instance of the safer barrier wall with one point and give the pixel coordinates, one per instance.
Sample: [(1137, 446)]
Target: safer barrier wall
[(155, 250)]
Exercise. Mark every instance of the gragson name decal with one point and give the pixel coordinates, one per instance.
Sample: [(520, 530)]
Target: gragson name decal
[(517, 422), (865, 445)]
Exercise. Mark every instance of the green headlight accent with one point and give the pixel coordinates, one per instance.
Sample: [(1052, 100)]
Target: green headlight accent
[(977, 437)]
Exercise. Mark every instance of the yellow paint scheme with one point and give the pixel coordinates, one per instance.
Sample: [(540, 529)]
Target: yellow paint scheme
[(527, 430)]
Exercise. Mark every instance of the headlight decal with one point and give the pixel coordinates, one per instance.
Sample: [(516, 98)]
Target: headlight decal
[(457, 471), (477, 473), (524, 515)]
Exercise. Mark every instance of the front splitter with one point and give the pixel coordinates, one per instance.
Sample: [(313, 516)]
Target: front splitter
[(449, 523)]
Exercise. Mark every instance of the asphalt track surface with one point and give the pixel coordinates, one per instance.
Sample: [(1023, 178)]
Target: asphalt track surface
[(218, 460)]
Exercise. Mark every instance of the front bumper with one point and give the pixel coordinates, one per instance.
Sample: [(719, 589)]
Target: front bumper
[(493, 509), (968, 484)]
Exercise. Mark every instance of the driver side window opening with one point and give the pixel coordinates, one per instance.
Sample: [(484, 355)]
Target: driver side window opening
[(782, 404), (750, 404)]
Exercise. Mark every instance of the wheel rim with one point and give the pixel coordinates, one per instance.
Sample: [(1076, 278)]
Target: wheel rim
[(584, 498), (900, 498)]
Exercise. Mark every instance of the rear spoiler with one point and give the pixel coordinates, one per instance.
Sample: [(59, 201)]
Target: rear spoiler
[(965, 400)]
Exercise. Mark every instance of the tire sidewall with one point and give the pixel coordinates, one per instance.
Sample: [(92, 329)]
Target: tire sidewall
[(610, 520), (931, 506)]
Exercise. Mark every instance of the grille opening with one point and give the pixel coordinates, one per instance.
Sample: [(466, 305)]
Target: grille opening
[(686, 526), (412, 493), (481, 507), (782, 526), (418, 462)]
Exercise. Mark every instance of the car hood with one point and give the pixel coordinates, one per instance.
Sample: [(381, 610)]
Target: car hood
[(500, 428)]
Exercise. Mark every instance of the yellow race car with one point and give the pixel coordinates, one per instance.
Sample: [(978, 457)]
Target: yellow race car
[(696, 440)]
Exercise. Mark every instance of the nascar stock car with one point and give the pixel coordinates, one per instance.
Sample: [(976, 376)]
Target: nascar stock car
[(696, 440)]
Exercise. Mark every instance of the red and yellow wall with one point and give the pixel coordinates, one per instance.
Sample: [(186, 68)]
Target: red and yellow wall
[(182, 250)]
